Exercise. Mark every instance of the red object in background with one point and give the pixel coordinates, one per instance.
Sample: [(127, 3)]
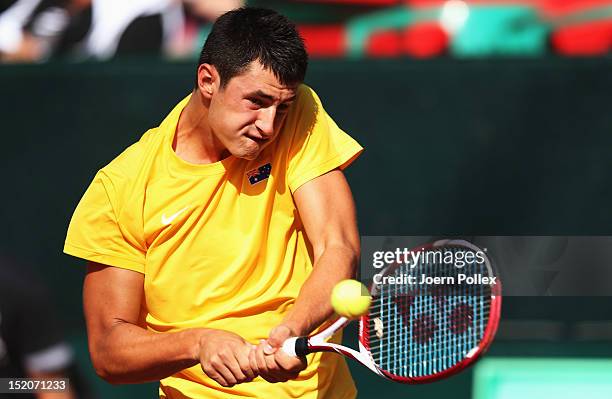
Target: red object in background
[(425, 40), (422, 40), (594, 38), (363, 2), (324, 40), (585, 38), (384, 43), (424, 3), (564, 7)]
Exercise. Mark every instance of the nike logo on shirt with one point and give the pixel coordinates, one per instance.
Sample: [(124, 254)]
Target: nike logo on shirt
[(166, 220)]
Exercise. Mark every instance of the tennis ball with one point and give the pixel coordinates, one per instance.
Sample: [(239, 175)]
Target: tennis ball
[(350, 299)]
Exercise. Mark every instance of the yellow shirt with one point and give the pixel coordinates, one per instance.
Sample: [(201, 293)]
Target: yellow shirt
[(220, 245)]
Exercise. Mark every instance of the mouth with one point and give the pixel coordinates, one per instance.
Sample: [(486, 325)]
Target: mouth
[(258, 140)]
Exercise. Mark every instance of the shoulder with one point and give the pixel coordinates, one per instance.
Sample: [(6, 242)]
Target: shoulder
[(307, 100), (128, 165), (304, 114)]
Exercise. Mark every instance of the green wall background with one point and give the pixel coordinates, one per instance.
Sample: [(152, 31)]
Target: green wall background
[(495, 147)]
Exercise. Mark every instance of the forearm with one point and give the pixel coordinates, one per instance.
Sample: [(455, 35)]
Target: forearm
[(312, 306), (130, 354)]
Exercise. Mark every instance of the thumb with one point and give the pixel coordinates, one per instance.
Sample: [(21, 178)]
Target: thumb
[(278, 335)]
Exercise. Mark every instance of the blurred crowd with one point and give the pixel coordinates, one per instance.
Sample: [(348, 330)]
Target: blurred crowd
[(37, 30), (32, 341), (456, 28)]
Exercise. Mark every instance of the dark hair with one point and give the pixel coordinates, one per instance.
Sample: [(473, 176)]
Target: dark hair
[(246, 34)]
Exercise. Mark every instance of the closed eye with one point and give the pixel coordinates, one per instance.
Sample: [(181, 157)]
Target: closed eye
[(256, 101)]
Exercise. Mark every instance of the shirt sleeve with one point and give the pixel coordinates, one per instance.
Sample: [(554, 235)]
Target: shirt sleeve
[(95, 233), (318, 145)]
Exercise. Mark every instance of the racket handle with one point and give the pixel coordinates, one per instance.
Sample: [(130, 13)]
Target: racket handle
[(296, 346)]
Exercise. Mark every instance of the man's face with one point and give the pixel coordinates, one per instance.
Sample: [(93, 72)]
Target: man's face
[(246, 115)]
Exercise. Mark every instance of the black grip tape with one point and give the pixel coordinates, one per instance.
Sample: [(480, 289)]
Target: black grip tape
[(301, 346)]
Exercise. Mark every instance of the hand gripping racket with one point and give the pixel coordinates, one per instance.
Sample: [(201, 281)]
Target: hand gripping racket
[(418, 333)]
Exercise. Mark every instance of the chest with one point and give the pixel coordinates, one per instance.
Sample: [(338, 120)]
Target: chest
[(220, 209)]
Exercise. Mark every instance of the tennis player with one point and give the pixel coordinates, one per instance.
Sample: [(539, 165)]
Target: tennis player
[(222, 231)]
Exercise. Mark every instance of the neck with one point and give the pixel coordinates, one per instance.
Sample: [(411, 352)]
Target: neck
[(194, 141)]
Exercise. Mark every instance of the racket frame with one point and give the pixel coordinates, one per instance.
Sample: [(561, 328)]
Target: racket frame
[(301, 346)]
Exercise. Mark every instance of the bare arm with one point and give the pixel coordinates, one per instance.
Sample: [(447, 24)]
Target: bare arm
[(327, 211), (122, 350)]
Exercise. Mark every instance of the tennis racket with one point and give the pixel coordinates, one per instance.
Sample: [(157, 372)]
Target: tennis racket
[(419, 333)]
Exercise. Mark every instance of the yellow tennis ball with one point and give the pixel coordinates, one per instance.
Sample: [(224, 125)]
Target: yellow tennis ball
[(350, 298)]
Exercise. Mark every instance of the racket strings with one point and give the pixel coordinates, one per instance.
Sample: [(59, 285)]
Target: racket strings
[(440, 348), (422, 329)]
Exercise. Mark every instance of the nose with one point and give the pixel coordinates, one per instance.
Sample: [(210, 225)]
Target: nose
[(265, 121)]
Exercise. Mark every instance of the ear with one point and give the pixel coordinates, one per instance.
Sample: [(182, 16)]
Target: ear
[(208, 80)]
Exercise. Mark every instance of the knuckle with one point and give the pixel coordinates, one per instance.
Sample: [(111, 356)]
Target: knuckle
[(243, 361), (273, 366), (222, 355)]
